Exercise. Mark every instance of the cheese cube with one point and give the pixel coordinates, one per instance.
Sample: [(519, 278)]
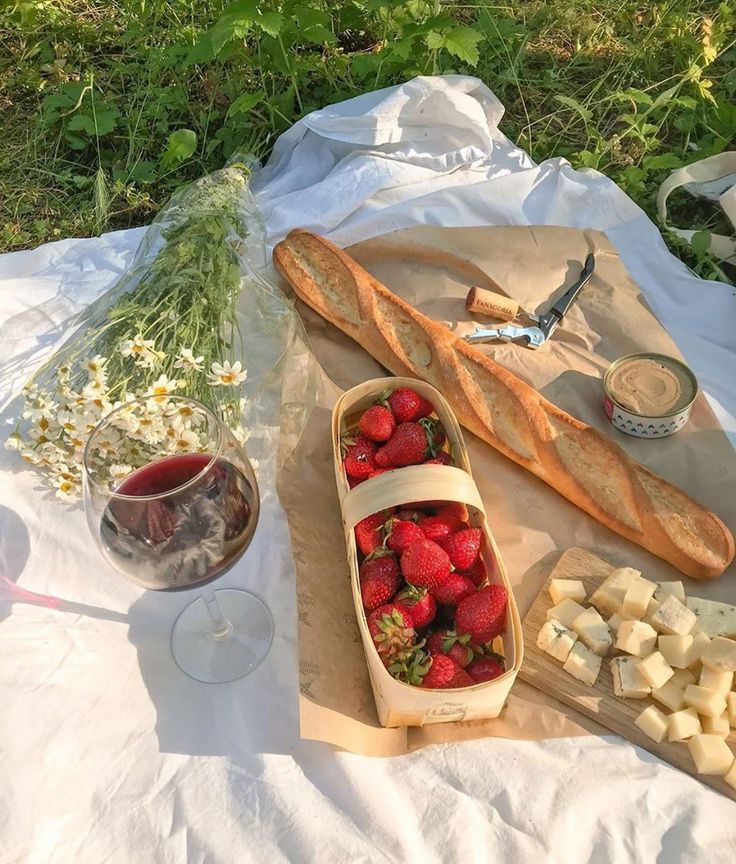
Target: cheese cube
[(670, 695), (583, 664), (609, 597), (711, 754), (653, 723), (704, 700), (731, 701), (593, 631), (683, 677), (637, 597), (667, 589), (683, 724), (712, 617), (556, 640), (700, 642), (637, 638), (616, 620), (673, 617), (566, 589), (676, 650), (656, 670), (717, 725), (651, 610), (628, 683), (565, 612), (720, 681), (730, 777), (720, 655)]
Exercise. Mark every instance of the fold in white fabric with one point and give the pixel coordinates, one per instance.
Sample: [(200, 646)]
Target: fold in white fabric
[(110, 754)]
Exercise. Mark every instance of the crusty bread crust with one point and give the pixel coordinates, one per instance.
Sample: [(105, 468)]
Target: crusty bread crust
[(578, 461)]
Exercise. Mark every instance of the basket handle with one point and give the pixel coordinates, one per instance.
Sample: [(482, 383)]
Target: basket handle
[(413, 483)]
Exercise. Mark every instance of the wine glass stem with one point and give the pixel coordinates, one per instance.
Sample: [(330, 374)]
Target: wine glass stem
[(220, 627)]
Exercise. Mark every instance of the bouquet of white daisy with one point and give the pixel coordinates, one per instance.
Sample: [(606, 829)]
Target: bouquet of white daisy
[(190, 316)]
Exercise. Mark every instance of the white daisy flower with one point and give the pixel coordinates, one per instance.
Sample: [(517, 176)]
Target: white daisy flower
[(107, 444), (30, 456), (137, 347), (67, 487), (162, 388), (94, 389), (52, 456), (95, 367), (186, 360), (183, 414), (120, 470), (13, 442), (63, 373), (41, 409), (185, 441), (241, 434), (226, 375)]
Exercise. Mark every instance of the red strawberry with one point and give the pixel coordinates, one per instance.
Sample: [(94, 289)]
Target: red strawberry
[(399, 534), (454, 589), (409, 445), (425, 564), (379, 579), (407, 404), (393, 633), (477, 572), (462, 548), (377, 423), (420, 605), (438, 527), (454, 508), (410, 515), (448, 642), (368, 533), (445, 673), (360, 457), (483, 614), (486, 668), (441, 458)]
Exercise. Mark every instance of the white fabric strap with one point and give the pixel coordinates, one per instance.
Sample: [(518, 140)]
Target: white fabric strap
[(714, 178)]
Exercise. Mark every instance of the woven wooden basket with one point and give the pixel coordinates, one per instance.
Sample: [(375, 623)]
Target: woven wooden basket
[(401, 704)]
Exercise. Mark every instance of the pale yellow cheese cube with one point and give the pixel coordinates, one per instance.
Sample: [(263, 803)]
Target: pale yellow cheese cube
[(673, 617), (583, 664), (655, 670), (651, 610), (637, 597), (730, 777), (704, 700), (720, 681), (593, 631), (556, 640), (683, 677), (670, 695), (665, 589), (610, 595), (676, 650), (700, 642), (731, 702), (566, 611), (653, 723), (683, 724), (636, 637), (711, 754), (616, 620), (720, 655), (716, 725), (566, 589), (628, 683), (714, 618)]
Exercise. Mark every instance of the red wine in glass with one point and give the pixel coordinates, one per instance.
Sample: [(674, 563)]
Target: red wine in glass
[(185, 539)]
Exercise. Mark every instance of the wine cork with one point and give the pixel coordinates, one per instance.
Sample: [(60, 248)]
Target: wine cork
[(489, 303)]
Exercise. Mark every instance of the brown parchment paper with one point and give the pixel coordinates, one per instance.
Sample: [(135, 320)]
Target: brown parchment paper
[(433, 268)]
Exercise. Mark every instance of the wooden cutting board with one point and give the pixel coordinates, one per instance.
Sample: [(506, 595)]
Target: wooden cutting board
[(598, 701)]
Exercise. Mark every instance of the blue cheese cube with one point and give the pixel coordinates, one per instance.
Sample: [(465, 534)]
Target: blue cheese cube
[(673, 617), (628, 683), (556, 640), (667, 589), (720, 655), (712, 617), (593, 631)]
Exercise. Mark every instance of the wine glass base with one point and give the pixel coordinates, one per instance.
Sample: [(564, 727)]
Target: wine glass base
[(204, 657)]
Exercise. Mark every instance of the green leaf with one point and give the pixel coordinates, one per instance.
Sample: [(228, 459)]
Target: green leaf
[(462, 42), (179, 147), (700, 242), (434, 40), (576, 106), (82, 122), (270, 22), (245, 103), (664, 160)]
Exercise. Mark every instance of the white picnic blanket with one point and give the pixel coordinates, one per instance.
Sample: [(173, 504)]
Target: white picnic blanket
[(108, 753)]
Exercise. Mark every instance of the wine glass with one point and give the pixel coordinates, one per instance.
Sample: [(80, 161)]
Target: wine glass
[(172, 500)]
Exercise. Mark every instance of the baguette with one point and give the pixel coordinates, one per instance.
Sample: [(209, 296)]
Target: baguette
[(576, 460)]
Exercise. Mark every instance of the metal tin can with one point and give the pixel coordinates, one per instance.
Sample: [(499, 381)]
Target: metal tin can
[(643, 425)]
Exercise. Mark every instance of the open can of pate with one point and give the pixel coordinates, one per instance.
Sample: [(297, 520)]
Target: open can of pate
[(649, 395)]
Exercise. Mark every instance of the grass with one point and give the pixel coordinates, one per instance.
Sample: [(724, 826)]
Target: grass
[(110, 105)]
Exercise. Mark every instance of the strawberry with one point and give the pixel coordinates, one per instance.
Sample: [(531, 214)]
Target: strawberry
[(399, 534), (448, 642), (419, 603), (438, 527), (486, 668), (444, 673), (377, 424), (410, 444), (410, 515), (454, 589), (483, 614), (462, 548), (441, 458), (454, 508), (368, 532), (393, 633), (359, 457), (407, 404), (379, 578), (425, 564), (477, 572)]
